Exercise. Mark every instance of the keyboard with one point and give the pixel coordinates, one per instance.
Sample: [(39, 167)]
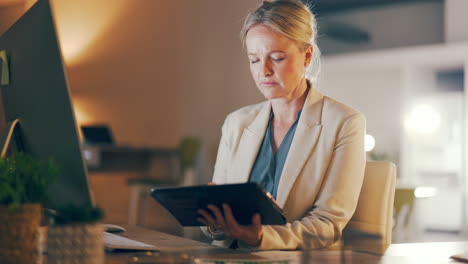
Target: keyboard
[(115, 242)]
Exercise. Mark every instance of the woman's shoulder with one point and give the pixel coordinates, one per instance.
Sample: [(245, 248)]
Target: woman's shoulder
[(336, 113), (247, 112), (335, 108)]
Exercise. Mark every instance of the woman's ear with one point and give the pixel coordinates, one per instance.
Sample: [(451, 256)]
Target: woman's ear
[(308, 55)]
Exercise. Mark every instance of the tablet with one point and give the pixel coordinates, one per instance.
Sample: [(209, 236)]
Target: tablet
[(245, 199)]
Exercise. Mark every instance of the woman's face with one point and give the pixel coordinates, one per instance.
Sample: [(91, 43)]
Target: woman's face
[(276, 62)]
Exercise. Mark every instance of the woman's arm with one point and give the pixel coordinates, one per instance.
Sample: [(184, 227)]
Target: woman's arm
[(222, 158)]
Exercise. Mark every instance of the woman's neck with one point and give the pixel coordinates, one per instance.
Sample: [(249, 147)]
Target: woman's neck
[(285, 109)]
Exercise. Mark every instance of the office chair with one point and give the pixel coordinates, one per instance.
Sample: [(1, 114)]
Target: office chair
[(372, 219), (404, 206)]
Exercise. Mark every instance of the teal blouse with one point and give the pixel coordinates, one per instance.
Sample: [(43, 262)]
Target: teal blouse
[(268, 165)]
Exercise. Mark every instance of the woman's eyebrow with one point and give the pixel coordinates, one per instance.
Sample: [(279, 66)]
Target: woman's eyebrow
[(273, 51)]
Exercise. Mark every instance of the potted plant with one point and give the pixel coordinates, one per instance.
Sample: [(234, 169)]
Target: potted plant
[(75, 235), (188, 152), (23, 186)]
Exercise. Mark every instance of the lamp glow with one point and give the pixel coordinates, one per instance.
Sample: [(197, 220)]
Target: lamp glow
[(425, 192), (369, 143), (81, 25), (423, 119)]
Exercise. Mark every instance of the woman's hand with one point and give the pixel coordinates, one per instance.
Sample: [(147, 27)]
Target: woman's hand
[(250, 234)]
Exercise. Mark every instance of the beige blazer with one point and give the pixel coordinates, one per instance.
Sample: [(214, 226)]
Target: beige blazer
[(323, 172)]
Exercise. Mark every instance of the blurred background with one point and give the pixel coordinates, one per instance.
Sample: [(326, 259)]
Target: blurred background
[(161, 76)]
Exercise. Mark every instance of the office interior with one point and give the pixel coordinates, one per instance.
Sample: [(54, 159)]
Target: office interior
[(157, 72)]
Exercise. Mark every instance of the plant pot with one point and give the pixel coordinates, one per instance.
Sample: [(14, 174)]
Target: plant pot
[(76, 243), (19, 234), (189, 177)]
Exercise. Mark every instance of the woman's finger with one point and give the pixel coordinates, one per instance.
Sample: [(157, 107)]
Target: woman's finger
[(203, 221), (257, 220), (219, 216), (208, 217), (230, 220)]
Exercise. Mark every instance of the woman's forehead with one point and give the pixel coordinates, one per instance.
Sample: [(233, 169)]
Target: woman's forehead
[(261, 38)]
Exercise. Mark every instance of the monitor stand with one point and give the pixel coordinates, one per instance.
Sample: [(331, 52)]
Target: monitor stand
[(11, 131)]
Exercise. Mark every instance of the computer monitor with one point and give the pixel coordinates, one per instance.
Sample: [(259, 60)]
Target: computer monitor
[(97, 135), (39, 96)]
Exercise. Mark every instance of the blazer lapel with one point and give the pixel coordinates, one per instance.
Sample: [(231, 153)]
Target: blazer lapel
[(306, 135), (250, 143)]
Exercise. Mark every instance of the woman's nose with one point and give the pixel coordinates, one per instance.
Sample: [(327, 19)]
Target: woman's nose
[(267, 71)]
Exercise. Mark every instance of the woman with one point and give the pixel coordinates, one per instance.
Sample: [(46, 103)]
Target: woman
[(306, 149)]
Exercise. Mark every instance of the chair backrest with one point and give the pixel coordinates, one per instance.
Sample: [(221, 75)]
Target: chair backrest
[(374, 211), (404, 197)]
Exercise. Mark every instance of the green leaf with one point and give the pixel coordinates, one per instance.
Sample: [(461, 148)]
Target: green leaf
[(24, 179)]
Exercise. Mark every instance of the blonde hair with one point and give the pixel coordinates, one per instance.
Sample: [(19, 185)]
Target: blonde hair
[(292, 19)]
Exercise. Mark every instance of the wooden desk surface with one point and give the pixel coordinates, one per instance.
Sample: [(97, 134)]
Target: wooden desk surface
[(181, 250), (410, 253), (167, 242), (173, 249)]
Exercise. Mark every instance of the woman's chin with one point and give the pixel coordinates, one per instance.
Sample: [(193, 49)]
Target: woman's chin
[(270, 97), (269, 94)]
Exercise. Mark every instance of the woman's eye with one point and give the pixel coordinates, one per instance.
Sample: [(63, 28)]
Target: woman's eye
[(278, 59), (254, 61)]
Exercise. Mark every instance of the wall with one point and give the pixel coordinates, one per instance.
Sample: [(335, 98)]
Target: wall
[(376, 92), (8, 15), (455, 20), (175, 70)]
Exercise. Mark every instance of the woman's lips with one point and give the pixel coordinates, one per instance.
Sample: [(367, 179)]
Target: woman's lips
[(269, 83)]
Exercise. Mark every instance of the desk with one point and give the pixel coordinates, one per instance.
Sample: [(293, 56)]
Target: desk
[(173, 247), (126, 158)]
